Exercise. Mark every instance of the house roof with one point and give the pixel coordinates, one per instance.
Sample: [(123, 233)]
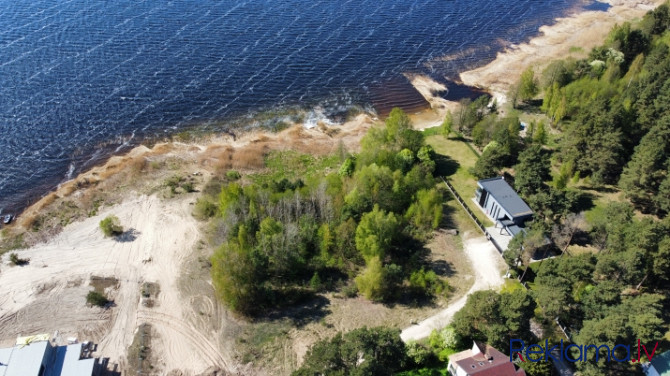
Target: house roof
[(484, 360), (26, 358), (23, 360), (505, 195), (661, 363)]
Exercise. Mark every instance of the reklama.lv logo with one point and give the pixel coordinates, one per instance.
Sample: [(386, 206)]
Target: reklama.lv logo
[(615, 353)]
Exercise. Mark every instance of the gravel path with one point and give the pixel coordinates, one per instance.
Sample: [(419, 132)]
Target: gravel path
[(488, 266)]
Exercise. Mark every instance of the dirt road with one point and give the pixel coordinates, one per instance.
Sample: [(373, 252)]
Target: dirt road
[(488, 266)]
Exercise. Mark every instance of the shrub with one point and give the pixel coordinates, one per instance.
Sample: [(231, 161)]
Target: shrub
[(97, 299), (111, 226), (204, 209), (418, 353), (233, 175), (16, 260), (188, 187)]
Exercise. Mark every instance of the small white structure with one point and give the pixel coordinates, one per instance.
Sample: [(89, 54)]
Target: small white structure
[(36, 356)]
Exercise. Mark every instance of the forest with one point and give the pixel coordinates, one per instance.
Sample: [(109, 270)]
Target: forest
[(358, 227)]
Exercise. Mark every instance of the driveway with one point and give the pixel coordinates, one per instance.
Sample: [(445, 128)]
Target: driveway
[(488, 267)]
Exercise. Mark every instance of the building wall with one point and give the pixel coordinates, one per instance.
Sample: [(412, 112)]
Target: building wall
[(455, 370)]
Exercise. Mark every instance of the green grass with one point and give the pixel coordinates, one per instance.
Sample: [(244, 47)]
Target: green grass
[(511, 285), (293, 165), (462, 180)]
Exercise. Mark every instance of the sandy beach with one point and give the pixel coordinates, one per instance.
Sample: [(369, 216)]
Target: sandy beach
[(584, 29)]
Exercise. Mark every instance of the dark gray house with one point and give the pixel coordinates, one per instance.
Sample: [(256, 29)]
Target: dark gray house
[(502, 204)]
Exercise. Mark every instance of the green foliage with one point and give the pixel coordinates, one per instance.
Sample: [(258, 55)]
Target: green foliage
[(646, 172), (490, 163), (372, 282), (374, 351), (528, 85), (97, 299), (307, 221), (444, 342), (540, 134), (425, 213), (16, 260), (204, 209), (111, 226), (536, 368), (234, 274), (375, 233), (470, 113), (428, 282), (348, 166), (418, 354), (495, 318), (233, 175), (447, 125), (315, 283), (531, 171)]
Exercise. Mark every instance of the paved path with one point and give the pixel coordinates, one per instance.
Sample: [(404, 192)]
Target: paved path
[(488, 266)]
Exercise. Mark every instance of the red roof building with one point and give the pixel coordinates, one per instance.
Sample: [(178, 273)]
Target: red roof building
[(482, 360)]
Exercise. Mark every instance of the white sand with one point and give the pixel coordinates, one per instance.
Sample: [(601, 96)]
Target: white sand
[(165, 233)]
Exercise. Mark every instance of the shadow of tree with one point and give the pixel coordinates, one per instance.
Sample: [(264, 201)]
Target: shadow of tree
[(442, 268), (584, 201), (445, 166), (305, 312), (128, 236)]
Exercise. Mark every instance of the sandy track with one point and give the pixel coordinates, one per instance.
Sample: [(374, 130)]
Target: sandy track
[(49, 293), (488, 266)]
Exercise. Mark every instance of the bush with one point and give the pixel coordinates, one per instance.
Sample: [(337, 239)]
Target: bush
[(233, 175), (418, 353), (97, 299), (204, 209), (111, 226), (188, 187), (16, 260)]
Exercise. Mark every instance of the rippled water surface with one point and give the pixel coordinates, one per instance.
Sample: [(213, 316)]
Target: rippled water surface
[(77, 74)]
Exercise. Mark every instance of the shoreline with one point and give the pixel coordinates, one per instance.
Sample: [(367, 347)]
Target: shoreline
[(585, 30), (551, 42), (207, 149)]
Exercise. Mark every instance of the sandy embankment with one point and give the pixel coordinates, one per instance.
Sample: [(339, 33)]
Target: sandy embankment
[(584, 29), (160, 246)]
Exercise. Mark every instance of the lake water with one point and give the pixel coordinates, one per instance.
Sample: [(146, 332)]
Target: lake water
[(80, 79)]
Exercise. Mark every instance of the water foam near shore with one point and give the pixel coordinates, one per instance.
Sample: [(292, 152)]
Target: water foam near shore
[(82, 80)]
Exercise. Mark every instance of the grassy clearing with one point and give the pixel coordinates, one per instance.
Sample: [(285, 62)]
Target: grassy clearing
[(460, 159), (263, 341), (292, 165), (448, 261)]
